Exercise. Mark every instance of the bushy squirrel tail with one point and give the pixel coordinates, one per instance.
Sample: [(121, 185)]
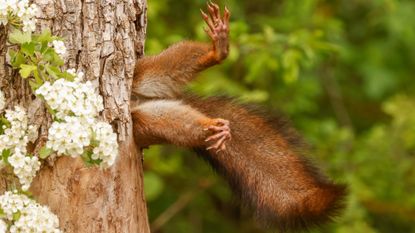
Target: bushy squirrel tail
[(264, 167)]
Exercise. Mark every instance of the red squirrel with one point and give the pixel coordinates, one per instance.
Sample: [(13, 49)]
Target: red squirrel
[(259, 159)]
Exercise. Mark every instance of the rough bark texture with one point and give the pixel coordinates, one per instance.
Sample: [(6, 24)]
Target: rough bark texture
[(103, 38)]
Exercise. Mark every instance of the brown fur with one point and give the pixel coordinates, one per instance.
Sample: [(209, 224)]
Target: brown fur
[(262, 162), (281, 186)]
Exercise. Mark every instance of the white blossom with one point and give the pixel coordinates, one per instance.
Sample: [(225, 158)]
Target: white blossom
[(71, 71), (59, 47), (76, 106), (33, 217), (79, 76), (15, 139), (24, 167), (107, 149), (15, 136), (3, 226), (4, 10), (22, 9), (71, 98), (69, 137), (74, 134)]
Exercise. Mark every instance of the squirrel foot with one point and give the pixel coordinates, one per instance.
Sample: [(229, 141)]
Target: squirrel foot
[(218, 29), (222, 133)]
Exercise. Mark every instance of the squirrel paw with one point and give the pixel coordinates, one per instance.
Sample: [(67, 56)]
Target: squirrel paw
[(218, 29), (222, 133)]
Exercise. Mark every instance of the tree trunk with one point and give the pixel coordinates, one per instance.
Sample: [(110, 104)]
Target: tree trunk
[(103, 38)]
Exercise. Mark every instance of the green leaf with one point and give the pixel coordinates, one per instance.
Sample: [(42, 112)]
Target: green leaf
[(55, 72), (16, 58), (1, 127), (94, 143), (45, 36), (48, 55), (27, 193), (44, 152), (3, 122), (37, 76), (18, 37), (51, 111), (16, 216), (57, 60), (26, 70), (51, 56), (28, 48), (67, 76), (86, 157), (34, 85), (2, 214), (5, 154), (12, 53)]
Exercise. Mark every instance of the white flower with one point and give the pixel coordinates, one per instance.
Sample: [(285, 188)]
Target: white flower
[(24, 167), (2, 100), (17, 159), (15, 136), (3, 226), (79, 76), (12, 4), (71, 71), (69, 137), (72, 98), (21, 9), (3, 7), (59, 47), (15, 139), (107, 149), (33, 217), (3, 19), (29, 25)]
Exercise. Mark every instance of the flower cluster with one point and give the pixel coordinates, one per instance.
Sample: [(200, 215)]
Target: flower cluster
[(107, 148), (71, 98), (14, 140), (2, 101), (76, 106), (10, 9), (69, 137), (59, 47), (24, 167), (25, 215)]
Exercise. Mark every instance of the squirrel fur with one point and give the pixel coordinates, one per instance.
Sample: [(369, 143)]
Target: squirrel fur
[(257, 156)]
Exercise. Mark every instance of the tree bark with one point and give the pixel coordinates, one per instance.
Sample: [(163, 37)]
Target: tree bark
[(103, 38)]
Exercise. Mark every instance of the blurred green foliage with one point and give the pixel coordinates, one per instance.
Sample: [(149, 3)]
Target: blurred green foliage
[(343, 71)]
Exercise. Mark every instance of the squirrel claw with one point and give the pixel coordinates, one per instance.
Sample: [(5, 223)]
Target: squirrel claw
[(218, 25), (221, 135), (217, 29)]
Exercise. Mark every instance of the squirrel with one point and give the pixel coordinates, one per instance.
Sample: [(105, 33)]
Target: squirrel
[(259, 159)]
